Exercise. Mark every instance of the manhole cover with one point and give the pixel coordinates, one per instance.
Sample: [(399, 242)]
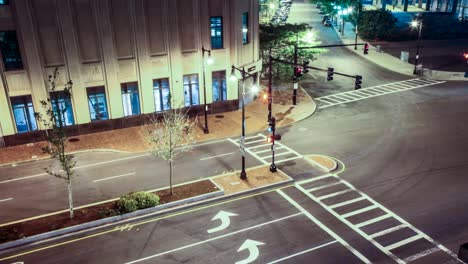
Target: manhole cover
[(219, 116), (73, 140)]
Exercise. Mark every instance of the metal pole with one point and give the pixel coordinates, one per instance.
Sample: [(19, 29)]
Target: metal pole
[(205, 108), (295, 72), (243, 174), (273, 165), (357, 22), (417, 47), (270, 88)]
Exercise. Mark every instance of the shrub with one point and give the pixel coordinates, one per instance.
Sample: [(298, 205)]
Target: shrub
[(144, 199), (136, 201), (126, 205)]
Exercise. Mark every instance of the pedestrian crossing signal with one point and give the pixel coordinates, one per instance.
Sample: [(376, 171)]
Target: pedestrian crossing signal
[(299, 71), (358, 82), (305, 63), (330, 73), (366, 48), (270, 139)]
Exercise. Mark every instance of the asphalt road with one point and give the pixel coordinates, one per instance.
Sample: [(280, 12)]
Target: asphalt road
[(404, 153)]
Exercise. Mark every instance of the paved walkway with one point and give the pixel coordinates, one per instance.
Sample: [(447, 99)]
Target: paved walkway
[(221, 125)]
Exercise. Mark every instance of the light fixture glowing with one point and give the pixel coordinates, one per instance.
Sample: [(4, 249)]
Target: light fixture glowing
[(254, 89), (210, 60), (244, 30), (414, 23), (345, 12), (233, 76), (272, 6), (350, 9)]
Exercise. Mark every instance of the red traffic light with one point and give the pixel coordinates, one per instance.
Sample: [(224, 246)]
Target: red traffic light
[(465, 55), (270, 139)]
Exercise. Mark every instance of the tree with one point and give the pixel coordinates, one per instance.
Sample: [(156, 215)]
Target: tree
[(56, 133), (281, 39), (376, 24), (167, 135)]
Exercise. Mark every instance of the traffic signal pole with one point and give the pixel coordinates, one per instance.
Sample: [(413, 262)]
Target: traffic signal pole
[(295, 84), (270, 88)]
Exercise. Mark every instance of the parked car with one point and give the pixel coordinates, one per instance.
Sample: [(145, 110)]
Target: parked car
[(327, 23)]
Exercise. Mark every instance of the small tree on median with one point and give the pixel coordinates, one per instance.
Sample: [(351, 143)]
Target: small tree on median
[(54, 122), (167, 136)]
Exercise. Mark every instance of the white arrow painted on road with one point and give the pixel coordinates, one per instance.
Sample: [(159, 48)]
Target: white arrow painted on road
[(225, 221), (252, 246)]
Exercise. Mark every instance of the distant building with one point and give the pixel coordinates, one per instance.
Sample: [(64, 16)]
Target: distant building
[(459, 7), (125, 58)]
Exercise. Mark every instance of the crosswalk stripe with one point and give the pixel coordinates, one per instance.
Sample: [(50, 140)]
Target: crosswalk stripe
[(276, 155), (388, 231), (316, 178), (362, 210), (403, 242), (334, 194), (373, 220), (284, 160), (421, 254), (324, 186), (254, 141), (347, 202), (266, 150)]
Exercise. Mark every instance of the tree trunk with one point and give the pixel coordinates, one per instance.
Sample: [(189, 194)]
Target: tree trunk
[(170, 175), (428, 5), (405, 8), (420, 3), (70, 198)]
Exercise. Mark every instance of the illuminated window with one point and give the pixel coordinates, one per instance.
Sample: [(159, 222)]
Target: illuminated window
[(10, 51), (63, 101), (245, 28), (97, 103), (162, 94), (130, 100), (23, 111), (219, 86), (216, 32), (191, 90), (4, 2)]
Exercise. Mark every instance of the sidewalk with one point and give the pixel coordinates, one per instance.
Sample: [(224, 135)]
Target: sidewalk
[(390, 62), (221, 125)]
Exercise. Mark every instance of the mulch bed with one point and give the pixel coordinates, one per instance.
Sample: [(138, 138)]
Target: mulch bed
[(88, 214)]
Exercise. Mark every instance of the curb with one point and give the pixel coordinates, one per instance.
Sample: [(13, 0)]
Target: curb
[(108, 220), (172, 207), (324, 168)]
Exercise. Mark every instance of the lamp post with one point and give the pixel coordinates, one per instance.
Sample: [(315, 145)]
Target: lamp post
[(417, 24), (205, 108), (244, 74), (357, 22)]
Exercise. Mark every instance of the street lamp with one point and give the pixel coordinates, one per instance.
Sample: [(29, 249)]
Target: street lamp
[(244, 74), (417, 24), (209, 61)]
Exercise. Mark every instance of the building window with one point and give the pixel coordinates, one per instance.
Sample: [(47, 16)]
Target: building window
[(10, 51), (162, 94), (97, 103), (4, 2), (130, 100), (219, 86), (23, 111), (245, 28), (63, 101), (191, 90), (216, 32)]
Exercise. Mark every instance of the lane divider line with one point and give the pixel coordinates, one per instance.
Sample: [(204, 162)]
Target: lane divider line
[(303, 252), (113, 177), (7, 199), (214, 238), (217, 156), (324, 227)]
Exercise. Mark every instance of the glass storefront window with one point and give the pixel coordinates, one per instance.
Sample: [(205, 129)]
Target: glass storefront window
[(161, 91), (191, 90), (130, 99), (219, 86), (23, 111), (65, 106), (97, 103)]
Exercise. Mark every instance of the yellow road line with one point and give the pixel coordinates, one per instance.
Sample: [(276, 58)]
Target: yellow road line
[(141, 223)]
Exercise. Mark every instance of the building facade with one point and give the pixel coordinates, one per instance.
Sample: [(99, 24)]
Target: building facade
[(126, 58)]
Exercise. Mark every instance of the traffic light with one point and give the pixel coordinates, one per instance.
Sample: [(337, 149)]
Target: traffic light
[(465, 55), (330, 74), (272, 125), (305, 63), (270, 139), (366, 48), (299, 71), (358, 82)]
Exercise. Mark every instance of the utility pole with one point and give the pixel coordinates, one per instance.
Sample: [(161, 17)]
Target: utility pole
[(270, 88)]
